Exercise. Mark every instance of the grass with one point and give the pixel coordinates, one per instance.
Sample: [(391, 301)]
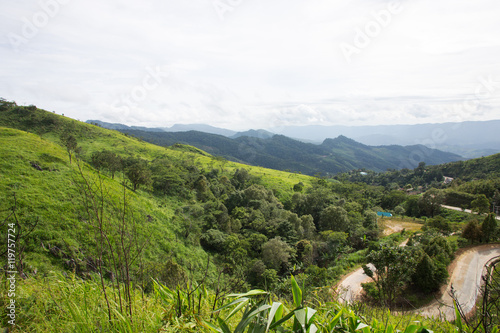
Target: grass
[(58, 303), (52, 197), (392, 225)]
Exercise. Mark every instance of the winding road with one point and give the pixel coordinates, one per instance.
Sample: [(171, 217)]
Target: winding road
[(465, 279)]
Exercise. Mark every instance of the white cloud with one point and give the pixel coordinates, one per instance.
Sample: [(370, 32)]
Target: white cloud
[(265, 63)]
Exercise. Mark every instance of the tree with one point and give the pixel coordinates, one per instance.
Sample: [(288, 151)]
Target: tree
[(489, 228), (431, 201), (481, 204), (441, 224), (119, 240), (307, 226), (213, 240), (334, 244), (412, 206), (334, 218), (399, 210), (472, 231), (276, 253), (393, 199), (241, 178), (429, 275), (370, 221), (394, 267), (70, 143), (298, 187), (420, 169), (304, 252), (108, 160), (137, 172)]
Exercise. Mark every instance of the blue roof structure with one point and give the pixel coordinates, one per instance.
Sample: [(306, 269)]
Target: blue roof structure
[(384, 214)]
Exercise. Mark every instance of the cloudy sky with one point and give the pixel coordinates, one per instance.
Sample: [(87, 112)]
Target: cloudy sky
[(243, 64)]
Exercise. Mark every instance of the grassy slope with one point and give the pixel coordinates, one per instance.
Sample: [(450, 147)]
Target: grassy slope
[(53, 197)]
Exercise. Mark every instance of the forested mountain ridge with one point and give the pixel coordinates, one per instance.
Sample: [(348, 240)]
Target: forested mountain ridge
[(470, 139), (283, 153)]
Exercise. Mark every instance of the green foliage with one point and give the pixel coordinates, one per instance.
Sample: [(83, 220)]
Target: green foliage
[(107, 160), (394, 267), (334, 218), (472, 231), (429, 274), (256, 225), (430, 202), (392, 199), (137, 171), (489, 228), (58, 303), (276, 253), (439, 223), (481, 204)]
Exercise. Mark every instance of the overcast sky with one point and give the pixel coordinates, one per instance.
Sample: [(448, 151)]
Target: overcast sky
[(242, 64)]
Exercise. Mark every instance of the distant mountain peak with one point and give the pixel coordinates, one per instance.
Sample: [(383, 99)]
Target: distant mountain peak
[(341, 139), (261, 134)]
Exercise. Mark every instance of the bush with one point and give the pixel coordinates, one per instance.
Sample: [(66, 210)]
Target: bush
[(371, 291)]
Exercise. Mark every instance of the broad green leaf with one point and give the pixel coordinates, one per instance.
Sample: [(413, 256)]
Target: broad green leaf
[(237, 308), (282, 320), (411, 329), (250, 293), (312, 329), (310, 313), (297, 293), (223, 325), (361, 326), (249, 316), (212, 327), (336, 319), (236, 301), (300, 315), (274, 314)]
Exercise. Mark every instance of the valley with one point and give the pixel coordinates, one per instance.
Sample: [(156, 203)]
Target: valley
[(158, 237)]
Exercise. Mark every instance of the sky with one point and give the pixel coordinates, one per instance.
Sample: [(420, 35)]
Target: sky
[(242, 64)]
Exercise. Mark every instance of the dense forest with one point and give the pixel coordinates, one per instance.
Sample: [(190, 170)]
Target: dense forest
[(119, 235)]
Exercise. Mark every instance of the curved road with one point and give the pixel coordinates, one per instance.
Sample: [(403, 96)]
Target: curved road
[(465, 278)]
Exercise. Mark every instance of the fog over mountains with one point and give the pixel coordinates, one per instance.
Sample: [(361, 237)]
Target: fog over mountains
[(469, 139)]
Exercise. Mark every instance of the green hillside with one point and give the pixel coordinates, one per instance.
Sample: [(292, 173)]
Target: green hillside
[(477, 168), (115, 234), (51, 197)]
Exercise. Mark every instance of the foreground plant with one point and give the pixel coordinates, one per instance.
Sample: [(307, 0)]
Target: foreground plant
[(258, 316)]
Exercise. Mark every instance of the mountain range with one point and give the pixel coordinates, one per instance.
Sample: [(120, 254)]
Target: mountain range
[(468, 139), (263, 148)]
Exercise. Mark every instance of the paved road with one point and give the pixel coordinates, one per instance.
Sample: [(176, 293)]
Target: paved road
[(349, 289), (463, 210), (466, 280)]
